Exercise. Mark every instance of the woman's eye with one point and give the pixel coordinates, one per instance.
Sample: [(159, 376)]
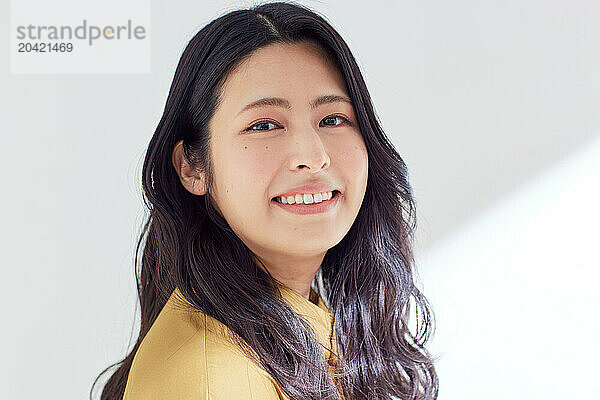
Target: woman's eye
[(333, 118), (260, 125), (263, 126)]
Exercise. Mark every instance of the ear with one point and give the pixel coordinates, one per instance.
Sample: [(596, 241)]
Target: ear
[(194, 181)]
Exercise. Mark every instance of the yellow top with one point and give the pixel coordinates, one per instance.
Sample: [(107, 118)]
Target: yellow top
[(188, 355)]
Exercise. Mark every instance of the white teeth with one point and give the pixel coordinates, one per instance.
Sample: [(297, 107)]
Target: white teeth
[(307, 198)]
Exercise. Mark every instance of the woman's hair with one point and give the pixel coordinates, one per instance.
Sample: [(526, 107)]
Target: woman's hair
[(366, 279)]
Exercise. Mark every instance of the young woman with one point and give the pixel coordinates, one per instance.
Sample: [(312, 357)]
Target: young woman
[(277, 261)]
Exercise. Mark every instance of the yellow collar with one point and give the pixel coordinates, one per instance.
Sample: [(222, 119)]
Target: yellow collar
[(317, 315), (318, 312)]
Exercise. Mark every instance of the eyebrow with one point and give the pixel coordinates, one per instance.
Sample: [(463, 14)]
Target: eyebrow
[(283, 103)]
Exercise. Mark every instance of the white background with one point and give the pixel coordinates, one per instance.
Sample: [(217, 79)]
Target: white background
[(494, 106)]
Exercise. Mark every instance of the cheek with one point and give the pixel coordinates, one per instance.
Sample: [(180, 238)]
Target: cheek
[(354, 159), (249, 169), (256, 163)]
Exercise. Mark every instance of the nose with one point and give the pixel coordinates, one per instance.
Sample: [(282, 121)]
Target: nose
[(307, 151)]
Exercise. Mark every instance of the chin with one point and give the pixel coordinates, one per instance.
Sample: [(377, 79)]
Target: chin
[(314, 247)]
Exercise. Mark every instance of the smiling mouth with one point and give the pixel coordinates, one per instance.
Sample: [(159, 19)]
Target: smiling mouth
[(334, 194)]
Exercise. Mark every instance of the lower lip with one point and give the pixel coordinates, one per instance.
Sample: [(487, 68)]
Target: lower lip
[(314, 208)]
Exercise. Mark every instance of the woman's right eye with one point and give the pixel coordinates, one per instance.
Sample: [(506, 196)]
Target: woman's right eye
[(259, 124)]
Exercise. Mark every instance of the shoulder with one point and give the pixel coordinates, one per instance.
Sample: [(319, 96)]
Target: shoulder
[(188, 355)]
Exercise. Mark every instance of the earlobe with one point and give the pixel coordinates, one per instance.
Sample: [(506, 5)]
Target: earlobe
[(191, 179)]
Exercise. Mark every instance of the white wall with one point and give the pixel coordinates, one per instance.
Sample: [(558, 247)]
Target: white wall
[(494, 107), (515, 291)]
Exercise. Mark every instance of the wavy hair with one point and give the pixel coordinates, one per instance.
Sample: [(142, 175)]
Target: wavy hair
[(366, 279)]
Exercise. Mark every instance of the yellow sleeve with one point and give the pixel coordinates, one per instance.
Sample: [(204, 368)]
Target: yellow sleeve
[(200, 367), (234, 381)]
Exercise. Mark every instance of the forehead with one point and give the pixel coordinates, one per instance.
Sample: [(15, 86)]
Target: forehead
[(297, 72)]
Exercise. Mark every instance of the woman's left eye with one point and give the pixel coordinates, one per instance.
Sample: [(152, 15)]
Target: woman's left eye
[(333, 117)]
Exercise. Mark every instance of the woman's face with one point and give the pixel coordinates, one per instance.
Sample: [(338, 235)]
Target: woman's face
[(279, 146)]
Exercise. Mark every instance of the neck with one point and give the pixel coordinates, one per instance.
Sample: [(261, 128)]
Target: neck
[(294, 273)]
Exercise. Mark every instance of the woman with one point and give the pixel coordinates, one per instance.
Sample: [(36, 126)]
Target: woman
[(278, 255)]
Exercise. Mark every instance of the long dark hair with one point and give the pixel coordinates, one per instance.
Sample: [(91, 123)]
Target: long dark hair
[(366, 279)]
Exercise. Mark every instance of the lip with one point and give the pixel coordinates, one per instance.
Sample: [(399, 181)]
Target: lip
[(314, 208), (312, 188)]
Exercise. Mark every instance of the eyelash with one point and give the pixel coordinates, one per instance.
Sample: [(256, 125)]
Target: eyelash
[(345, 121)]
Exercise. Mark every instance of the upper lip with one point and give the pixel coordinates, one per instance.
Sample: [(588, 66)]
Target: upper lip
[(309, 188)]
